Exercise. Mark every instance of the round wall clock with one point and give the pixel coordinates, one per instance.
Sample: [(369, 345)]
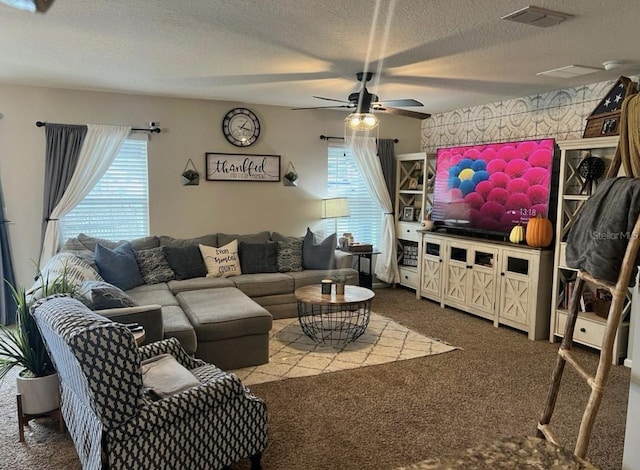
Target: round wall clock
[(241, 127)]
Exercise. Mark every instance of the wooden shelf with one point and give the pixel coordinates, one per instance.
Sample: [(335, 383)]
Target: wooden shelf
[(571, 198)]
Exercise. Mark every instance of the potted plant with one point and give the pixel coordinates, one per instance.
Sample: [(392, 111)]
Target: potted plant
[(290, 178), (22, 346), (340, 280)]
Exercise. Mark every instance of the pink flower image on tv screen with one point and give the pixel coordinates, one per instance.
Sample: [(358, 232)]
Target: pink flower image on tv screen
[(493, 187)]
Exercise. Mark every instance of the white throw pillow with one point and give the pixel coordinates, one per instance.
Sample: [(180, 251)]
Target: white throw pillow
[(76, 270), (165, 376), (223, 261)]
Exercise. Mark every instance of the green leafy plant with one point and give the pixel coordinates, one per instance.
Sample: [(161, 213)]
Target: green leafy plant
[(22, 345), (340, 278), (291, 176)]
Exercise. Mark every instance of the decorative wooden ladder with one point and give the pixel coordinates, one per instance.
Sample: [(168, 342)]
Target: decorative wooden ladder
[(598, 381)]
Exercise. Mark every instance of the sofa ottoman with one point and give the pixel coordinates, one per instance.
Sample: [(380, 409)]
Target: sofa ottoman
[(232, 330)]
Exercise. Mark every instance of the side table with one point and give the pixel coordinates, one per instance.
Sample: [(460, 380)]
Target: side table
[(366, 277)]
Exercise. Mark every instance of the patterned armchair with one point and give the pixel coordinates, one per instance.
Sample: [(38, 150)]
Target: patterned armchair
[(113, 422)]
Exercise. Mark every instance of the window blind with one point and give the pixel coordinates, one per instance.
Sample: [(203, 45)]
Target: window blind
[(345, 180), (117, 208)]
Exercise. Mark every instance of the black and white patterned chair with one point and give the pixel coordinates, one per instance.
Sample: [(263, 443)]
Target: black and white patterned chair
[(112, 421)]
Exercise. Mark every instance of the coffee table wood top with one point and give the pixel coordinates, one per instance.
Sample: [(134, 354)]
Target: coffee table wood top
[(352, 294)]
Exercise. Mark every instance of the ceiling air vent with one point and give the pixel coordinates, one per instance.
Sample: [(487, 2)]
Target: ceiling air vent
[(570, 71), (536, 16)]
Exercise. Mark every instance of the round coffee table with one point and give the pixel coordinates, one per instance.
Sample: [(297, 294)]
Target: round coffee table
[(332, 319)]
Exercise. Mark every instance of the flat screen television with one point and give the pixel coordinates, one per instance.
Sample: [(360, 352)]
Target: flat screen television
[(492, 187)]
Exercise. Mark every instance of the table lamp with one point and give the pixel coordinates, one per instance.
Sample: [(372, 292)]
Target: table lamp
[(333, 208)]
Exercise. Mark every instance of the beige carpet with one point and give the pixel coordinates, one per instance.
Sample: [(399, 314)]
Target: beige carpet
[(293, 354)]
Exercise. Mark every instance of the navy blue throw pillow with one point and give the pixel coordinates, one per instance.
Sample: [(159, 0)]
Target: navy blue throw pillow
[(318, 255), (118, 266)]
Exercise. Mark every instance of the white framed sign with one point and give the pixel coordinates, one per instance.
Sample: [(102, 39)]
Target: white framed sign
[(242, 167)]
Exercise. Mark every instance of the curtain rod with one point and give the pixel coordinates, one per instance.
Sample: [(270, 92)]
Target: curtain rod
[(328, 137), (152, 129)]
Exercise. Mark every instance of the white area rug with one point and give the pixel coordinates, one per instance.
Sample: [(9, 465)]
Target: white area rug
[(293, 354)]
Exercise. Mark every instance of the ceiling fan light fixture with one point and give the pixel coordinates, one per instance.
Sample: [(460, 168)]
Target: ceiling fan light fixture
[(29, 5), (361, 121)]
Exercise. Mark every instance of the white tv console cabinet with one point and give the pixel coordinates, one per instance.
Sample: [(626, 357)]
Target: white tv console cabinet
[(503, 282)]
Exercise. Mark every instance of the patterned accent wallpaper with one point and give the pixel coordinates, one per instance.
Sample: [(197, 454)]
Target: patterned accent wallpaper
[(558, 114)]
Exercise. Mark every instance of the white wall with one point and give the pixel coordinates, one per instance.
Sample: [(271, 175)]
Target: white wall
[(191, 128)]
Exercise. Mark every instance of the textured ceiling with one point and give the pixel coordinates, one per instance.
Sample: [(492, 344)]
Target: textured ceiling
[(445, 53)]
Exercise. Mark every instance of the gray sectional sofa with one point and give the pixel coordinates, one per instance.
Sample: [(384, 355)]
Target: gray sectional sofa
[(222, 320)]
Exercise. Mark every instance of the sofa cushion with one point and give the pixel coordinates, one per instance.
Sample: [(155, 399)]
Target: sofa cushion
[(154, 266), (142, 243), (224, 313), (118, 266), (260, 237), (258, 285), (223, 261), (147, 297), (100, 295), (186, 261), (258, 257), (149, 288), (75, 269), (209, 240), (73, 246), (198, 283), (318, 254), (177, 325), (289, 255)]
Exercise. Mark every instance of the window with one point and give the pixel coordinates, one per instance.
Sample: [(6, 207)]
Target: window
[(117, 208), (344, 180)]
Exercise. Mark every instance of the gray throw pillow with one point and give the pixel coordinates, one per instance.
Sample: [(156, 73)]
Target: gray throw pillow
[(186, 261), (100, 295), (118, 266), (153, 265), (318, 255), (258, 257), (289, 255)]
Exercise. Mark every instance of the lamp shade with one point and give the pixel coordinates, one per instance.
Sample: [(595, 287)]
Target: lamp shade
[(335, 207)]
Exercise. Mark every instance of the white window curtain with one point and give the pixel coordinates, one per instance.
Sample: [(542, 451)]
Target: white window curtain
[(363, 149), (100, 147)]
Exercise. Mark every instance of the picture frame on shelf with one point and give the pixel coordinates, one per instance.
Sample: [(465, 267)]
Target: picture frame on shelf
[(408, 213), (413, 183)]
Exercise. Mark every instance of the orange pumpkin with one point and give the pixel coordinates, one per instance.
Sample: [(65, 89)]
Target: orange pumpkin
[(539, 232)]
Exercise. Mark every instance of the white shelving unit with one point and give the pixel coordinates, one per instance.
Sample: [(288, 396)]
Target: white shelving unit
[(573, 191), (412, 184)]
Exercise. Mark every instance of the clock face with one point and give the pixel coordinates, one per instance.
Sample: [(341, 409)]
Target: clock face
[(241, 127)]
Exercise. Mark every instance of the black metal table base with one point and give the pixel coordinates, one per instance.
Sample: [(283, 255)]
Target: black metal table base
[(333, 324)]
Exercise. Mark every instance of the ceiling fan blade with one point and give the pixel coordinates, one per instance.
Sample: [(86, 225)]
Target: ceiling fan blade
[(331, 99), (325, 107), (401, 103), (403, 112), (30, 5)]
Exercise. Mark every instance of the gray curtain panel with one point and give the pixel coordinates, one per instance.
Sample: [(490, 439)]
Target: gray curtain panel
[(7, 304), (63, 149), (387, 156)]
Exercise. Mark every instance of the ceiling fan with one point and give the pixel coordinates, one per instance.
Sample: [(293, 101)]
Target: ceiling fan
[(363, 102), (30, 5)]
